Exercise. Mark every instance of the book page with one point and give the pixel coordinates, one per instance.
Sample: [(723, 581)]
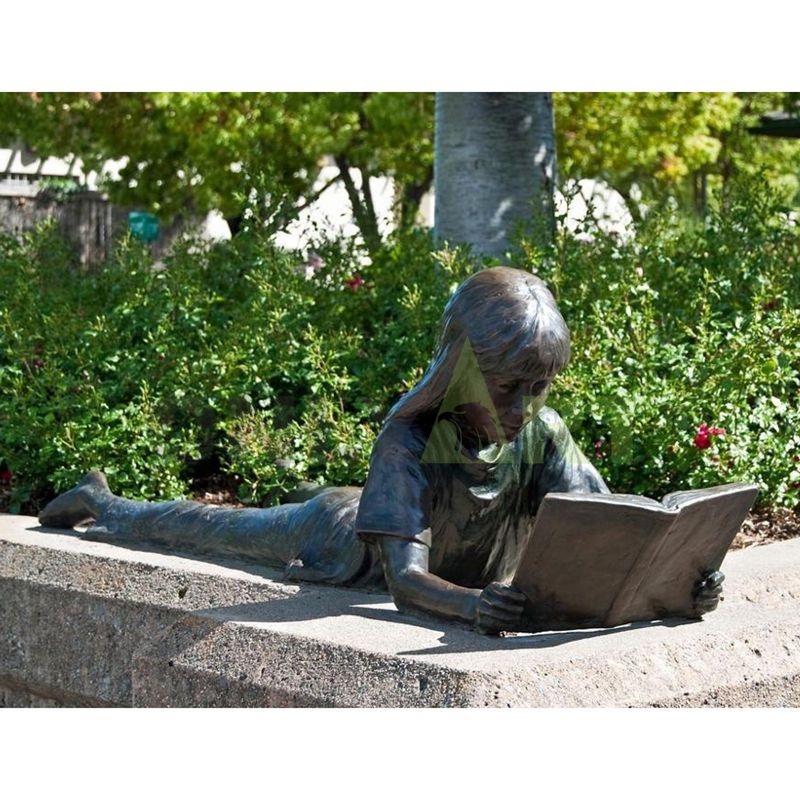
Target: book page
[(583, 551), (688, 496), (707, 522)]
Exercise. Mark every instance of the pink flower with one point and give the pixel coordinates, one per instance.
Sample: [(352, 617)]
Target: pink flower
[(355, 282), (704, 434)]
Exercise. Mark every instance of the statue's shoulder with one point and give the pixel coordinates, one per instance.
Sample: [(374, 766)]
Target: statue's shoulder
[(550, 429), (401, 437), (549, 421)]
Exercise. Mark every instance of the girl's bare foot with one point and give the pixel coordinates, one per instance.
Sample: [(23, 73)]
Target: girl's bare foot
[(79, 504)]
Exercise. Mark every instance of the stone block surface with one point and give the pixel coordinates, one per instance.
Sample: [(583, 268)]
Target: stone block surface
[(91, 624)]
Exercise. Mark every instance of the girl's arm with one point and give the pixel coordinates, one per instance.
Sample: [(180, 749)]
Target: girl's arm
[(414, 589)]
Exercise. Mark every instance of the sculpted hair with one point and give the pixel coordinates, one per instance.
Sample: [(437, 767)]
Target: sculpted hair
[(514, 326)]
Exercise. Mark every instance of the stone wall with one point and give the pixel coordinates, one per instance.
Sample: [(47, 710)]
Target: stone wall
[(90, 624)]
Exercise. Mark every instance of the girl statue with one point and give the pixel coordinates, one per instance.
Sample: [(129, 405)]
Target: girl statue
[(456, 476)]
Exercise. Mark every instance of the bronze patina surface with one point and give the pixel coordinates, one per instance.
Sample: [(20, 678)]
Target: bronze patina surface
[(456, 476)]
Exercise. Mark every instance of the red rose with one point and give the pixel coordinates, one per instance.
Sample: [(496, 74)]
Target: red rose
[(704, 434), (355, 282)]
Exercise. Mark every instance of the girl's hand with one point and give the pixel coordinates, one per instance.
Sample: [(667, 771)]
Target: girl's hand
[(499, 608), (707, 592)]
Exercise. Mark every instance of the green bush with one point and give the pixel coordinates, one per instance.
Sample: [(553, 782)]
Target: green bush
[(231, 362), (228, 360), (689, 323)]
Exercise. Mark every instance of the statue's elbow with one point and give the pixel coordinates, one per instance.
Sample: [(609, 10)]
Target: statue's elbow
[(404, 586)]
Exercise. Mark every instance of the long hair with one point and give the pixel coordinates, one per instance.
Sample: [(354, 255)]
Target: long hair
[(514, 326)]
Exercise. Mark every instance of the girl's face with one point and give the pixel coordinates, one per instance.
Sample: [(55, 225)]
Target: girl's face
[(516, 401)]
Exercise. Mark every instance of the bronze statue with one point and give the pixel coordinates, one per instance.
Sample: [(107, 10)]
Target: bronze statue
[(456, 476)]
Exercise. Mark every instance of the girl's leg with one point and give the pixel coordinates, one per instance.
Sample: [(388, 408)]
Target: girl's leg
[(268, 535)]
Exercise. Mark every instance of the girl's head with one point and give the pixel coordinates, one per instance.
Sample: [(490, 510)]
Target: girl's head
[(512, 323), (516, 332)]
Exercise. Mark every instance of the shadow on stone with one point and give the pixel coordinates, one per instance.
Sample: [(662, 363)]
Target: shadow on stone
[(309, 604)]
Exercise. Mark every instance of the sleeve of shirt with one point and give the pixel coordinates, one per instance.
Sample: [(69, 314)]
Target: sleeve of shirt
[(396, 499), (565, 467)]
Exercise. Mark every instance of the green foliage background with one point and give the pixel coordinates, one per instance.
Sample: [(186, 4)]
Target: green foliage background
[(660, 143), (231, 362), (190, 152)]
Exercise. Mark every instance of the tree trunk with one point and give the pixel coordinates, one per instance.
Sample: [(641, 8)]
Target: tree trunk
[(361, 203), (494, 168)]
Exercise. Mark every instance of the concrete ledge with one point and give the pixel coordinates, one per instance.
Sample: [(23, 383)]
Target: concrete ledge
[(85, 623)]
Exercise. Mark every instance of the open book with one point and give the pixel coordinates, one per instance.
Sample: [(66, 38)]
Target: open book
[(599, 560)]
